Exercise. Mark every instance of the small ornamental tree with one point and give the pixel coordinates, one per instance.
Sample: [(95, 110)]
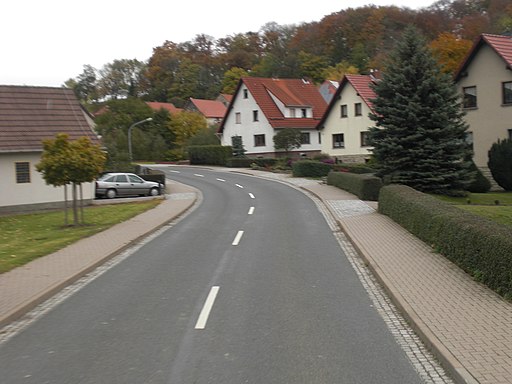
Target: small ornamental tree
[(67, 162), (419, 137), (500, 163), (287, 139)]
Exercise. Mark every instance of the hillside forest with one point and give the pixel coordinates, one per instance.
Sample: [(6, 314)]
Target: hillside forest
[(354, 40)]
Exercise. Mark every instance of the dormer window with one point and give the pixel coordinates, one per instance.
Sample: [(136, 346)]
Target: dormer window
[(304, 112)]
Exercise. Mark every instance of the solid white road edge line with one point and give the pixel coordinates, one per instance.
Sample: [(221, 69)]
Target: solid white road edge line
[(205, 312), (237, 238), (251, 211)]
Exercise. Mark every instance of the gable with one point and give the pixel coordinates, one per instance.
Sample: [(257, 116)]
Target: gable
[(29, 115), (501, 45), (278, 97), (361, 85)]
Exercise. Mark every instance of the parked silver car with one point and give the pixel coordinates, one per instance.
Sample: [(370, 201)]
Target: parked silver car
[(126, 184)]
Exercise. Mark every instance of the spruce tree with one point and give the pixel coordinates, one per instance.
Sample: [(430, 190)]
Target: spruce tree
[(419, 137)]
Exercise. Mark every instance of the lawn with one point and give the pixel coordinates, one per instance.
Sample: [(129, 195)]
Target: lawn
[(26, 237), (496, 206)]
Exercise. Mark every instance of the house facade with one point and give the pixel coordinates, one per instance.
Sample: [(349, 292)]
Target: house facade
[(29, 115), (485, 81), (344, 127), (262, 106)]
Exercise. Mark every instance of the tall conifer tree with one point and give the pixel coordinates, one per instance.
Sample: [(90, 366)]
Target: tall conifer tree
[(419, 137)]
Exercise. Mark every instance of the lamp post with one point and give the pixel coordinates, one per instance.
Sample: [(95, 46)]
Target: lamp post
[(130, 135)]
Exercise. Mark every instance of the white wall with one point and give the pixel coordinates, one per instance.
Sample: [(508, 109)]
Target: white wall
[(351, 126), (35, 192)]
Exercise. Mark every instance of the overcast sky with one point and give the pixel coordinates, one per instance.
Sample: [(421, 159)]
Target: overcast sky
[(46, 42)]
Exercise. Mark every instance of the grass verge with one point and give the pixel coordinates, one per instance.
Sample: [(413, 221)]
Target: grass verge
[(24, 238)]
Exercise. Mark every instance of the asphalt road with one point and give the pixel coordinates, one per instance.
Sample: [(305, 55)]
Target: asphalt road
[(251, 287)]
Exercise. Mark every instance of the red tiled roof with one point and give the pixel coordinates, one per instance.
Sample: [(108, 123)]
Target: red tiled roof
[(29, 115), (501, 44), (209, 108), (361, 84), (155, 105), (292, 93)]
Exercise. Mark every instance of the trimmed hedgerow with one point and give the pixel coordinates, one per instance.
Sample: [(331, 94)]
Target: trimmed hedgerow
[(310, 168), (246, 162), (481, 247), (209, 154), (364, 186)]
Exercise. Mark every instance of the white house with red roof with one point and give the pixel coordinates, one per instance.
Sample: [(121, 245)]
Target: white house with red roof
[(485, 81), (262, 106), (29, 115), (344, 127)]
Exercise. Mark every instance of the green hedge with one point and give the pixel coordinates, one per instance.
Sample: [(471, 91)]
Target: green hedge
[(310, 168), (246, 162), (365, 187), (209, 154), (481, 247)]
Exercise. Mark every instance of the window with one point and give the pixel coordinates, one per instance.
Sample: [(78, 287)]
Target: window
[(255, 115), (358, 109), (304, 138), (292, 112), (238, 118), (259, 140), (246, 93), (344, 111), (338, 140), (365, 139), (507, 92), (22, 172), (135, 179), (469, 97), (304, 112), (510, 134), (319, 138)]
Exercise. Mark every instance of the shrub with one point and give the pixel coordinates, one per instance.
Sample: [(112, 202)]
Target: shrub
[(500, 163), (366, 187), (209, 154), (479, 246), (310, 168), (246, 162)]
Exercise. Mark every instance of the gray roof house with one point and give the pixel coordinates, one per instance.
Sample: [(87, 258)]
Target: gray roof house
[(29, 115)]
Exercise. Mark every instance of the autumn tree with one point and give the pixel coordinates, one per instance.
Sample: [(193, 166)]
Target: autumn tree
[(185, 125), (419, 137), (120, 78), (449, 51), (66, 162), (232, 78)]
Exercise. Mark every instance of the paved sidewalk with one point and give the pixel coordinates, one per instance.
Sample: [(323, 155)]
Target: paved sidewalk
[(466, 325)]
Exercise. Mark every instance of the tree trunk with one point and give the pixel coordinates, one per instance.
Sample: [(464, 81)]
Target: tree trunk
[(66, 204), (75, 208), (82, 221)]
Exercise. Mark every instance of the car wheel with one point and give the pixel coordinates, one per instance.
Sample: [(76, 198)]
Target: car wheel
[(111, 193), (154, 192)]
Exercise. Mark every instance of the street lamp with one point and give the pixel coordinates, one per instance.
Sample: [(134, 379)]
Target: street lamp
[(130, 135)]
